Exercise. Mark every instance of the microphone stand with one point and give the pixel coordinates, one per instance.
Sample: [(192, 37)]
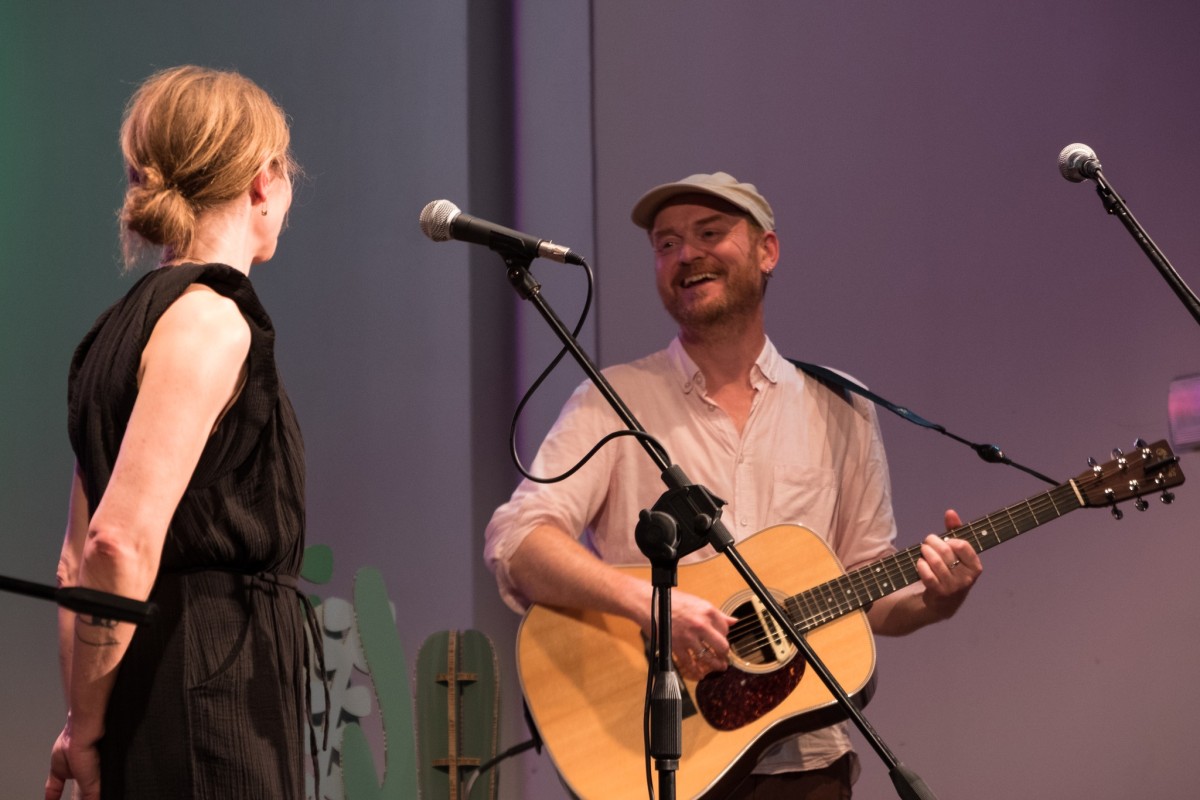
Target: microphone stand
[(85, 601), (685, 518), (1114, 205)]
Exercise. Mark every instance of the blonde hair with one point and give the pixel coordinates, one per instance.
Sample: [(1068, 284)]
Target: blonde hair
[(193, 139)]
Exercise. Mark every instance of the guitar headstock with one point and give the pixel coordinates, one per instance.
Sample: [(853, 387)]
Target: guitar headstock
[(1147, 469)]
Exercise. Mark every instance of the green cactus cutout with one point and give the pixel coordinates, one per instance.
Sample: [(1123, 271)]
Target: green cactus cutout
[(360, 639), (458, 715), (317, 565), (385, 661)]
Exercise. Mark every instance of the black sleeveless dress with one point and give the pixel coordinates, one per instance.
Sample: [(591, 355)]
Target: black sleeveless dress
[(209, 700)]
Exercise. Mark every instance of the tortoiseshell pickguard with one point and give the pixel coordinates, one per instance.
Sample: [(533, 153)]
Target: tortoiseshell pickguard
[(733, 698)]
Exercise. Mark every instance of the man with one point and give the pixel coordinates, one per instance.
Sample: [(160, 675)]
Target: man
[(777, 445)]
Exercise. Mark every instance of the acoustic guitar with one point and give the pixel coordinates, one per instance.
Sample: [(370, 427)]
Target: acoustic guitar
[(584, 673)]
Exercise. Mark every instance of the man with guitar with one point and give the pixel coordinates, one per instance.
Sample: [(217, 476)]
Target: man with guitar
[(777, 445)]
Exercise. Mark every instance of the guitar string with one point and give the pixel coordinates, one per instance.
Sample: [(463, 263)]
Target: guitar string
[(813, 608), (822, 604), (897, 572)]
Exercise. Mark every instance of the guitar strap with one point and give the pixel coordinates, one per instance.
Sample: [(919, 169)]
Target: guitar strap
[(835, 380)]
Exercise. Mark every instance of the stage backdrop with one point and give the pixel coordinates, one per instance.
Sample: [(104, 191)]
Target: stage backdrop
[(929, 247)]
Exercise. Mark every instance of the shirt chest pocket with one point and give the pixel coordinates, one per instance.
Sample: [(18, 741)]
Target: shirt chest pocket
[(804, 495)]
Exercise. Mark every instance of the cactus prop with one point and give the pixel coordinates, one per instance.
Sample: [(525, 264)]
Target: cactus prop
[(458, 715), (384, 656), (361, 639)]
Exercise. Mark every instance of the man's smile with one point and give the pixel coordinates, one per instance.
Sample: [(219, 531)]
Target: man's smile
[(699, 277)]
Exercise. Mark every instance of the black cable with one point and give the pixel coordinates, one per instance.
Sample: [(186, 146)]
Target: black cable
[(512, 431)]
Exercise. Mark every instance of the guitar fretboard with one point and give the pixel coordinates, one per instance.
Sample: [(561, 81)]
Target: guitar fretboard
[(854, 590)]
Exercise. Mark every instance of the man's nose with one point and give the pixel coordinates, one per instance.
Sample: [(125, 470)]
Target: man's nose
[(689, 250)]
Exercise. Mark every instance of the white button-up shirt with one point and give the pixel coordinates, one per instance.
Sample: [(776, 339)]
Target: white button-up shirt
[(806, 456)]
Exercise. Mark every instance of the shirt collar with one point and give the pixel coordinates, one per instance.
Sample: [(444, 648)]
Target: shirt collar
[(767, 365)]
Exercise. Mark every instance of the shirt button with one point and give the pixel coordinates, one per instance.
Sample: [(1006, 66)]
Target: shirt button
[(743, 522)]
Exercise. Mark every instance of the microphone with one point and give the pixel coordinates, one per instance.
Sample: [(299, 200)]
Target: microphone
[(1078, 162), (441, 221)]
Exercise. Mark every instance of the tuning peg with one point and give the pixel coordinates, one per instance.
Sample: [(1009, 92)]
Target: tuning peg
[(1167, 497), (1140, 504), (1139, 443), (1094, 464), (1119, 455), (1111, 496)]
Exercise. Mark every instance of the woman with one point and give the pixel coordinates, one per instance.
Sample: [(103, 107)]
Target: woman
[(189, 477)]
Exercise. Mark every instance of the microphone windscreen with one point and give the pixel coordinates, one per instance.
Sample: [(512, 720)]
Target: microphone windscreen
[(1072, 157), (436, 218)]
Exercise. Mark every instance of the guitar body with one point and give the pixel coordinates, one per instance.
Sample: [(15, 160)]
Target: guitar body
[(584, 677)]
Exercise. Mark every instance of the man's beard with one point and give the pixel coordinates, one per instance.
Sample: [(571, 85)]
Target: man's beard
[(741, 297)]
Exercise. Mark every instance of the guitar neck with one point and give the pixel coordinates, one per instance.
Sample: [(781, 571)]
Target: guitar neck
[(856, 590)]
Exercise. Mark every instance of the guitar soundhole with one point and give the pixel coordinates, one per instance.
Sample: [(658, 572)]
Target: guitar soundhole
[(763, 670), (756, 643)]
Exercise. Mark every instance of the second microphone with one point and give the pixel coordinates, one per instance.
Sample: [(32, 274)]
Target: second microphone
[(441, 221)]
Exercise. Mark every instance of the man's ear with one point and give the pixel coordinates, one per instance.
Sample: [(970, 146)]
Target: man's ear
[(768, 246)]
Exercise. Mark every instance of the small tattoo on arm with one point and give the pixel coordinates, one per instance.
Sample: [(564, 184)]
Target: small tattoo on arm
[(100, 633)]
